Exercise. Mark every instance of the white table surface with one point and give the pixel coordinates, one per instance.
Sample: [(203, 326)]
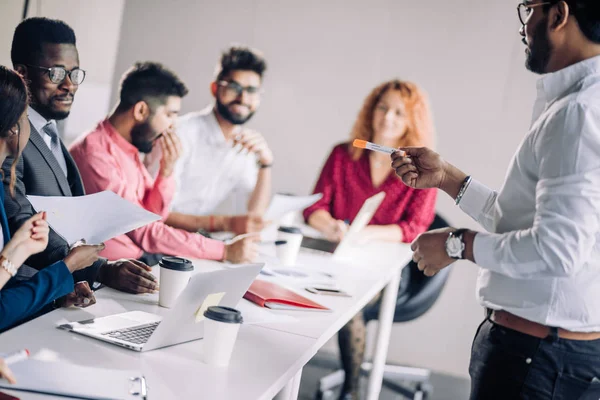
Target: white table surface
[(363, 274), (263, 360), (266, 356)]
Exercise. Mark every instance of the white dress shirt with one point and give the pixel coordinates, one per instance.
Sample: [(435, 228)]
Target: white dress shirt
[(541, 259), (210, 169)]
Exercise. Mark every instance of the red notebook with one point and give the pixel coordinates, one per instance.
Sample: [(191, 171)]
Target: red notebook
[(271, 295)]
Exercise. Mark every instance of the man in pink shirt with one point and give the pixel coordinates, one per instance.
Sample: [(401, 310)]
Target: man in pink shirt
[(109, 159)]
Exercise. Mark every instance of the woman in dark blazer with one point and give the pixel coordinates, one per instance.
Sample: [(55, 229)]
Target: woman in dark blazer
[(20, 300)]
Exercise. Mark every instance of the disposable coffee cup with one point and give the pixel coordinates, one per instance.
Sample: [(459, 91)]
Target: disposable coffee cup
[(288, 252), (221, 328), (175, 273)]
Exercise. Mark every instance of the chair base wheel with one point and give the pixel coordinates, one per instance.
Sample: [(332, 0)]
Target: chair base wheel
[(325, 395), (423, 391)]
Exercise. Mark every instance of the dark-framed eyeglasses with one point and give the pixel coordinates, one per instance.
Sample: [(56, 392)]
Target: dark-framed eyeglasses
[(524, 10), (58, 74), (233, 88)]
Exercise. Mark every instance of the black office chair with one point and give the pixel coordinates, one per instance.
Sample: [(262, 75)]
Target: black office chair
[(416, 296)]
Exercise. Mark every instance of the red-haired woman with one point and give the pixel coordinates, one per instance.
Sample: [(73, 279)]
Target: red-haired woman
[(395, 114)]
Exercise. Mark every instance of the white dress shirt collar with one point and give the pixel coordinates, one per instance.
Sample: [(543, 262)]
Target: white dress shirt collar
[(37, 120), (215, 133), (557, 84)]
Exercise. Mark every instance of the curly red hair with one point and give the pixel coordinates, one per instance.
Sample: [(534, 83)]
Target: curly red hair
[(419, 124)]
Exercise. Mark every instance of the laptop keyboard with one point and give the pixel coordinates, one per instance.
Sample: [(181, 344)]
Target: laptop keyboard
[(137, 334)]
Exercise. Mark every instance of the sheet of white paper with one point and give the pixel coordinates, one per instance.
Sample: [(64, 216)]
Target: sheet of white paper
[(255, 315), (298, 279), (283, 204), (96, 217)]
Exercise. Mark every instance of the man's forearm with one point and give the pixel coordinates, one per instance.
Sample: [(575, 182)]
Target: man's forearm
[(261, 196), (195, 223)]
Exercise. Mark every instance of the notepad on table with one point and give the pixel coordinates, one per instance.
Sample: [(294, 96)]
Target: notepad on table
[(271, 295)]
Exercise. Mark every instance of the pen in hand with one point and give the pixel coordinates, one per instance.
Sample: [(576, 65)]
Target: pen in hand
[(276, 242), (363, 144), (17, 356)]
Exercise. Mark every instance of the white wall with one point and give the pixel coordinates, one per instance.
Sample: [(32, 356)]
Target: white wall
[(324, 57), (10, 15), (97, 26)]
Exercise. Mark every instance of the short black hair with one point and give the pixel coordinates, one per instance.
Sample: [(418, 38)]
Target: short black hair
[(32, 33), (240, 58), (587, 14), (150, 82)]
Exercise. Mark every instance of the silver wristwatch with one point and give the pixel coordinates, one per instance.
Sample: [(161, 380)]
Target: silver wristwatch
[(455, 246)]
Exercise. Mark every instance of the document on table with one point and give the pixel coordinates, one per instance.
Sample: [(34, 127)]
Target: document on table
[(76, 381), (282, 204), (96, 217)]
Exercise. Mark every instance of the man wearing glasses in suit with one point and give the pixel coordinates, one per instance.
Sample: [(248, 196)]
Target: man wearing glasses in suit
[(44, 51)]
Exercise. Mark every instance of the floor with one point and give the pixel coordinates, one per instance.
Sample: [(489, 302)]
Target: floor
[(444, 387)]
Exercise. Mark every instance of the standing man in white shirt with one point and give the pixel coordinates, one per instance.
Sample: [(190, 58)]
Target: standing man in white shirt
[(221, 157), (539, 262)]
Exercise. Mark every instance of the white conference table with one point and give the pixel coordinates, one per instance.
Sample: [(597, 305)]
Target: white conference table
[(268, 357)]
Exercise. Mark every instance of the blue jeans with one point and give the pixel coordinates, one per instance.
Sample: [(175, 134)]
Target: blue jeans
[(506, 364)]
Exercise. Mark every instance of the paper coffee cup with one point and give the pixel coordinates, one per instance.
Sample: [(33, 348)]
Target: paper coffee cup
[(288, 252), (175, 273), (221, 327)]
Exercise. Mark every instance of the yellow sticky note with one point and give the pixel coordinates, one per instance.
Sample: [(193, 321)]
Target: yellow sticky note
[(211, 300)]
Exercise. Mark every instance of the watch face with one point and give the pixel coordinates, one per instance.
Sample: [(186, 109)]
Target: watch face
[(454, 246)]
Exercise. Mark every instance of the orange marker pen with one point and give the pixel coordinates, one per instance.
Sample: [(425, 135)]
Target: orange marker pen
[(363, 144)]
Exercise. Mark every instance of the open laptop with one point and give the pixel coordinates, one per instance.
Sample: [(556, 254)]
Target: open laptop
[(142, 331), (362, 219)]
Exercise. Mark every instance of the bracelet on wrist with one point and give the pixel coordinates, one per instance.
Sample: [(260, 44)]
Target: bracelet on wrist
[(264, 166), (8, 266), (463, 189)]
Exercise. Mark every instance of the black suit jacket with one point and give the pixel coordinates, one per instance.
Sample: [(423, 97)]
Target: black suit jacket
[(38, 173)]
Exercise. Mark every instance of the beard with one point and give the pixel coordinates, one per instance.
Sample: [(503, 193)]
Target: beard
[(142, 137), (232, 117), (58, 115), (538, 55), (50, 113)]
